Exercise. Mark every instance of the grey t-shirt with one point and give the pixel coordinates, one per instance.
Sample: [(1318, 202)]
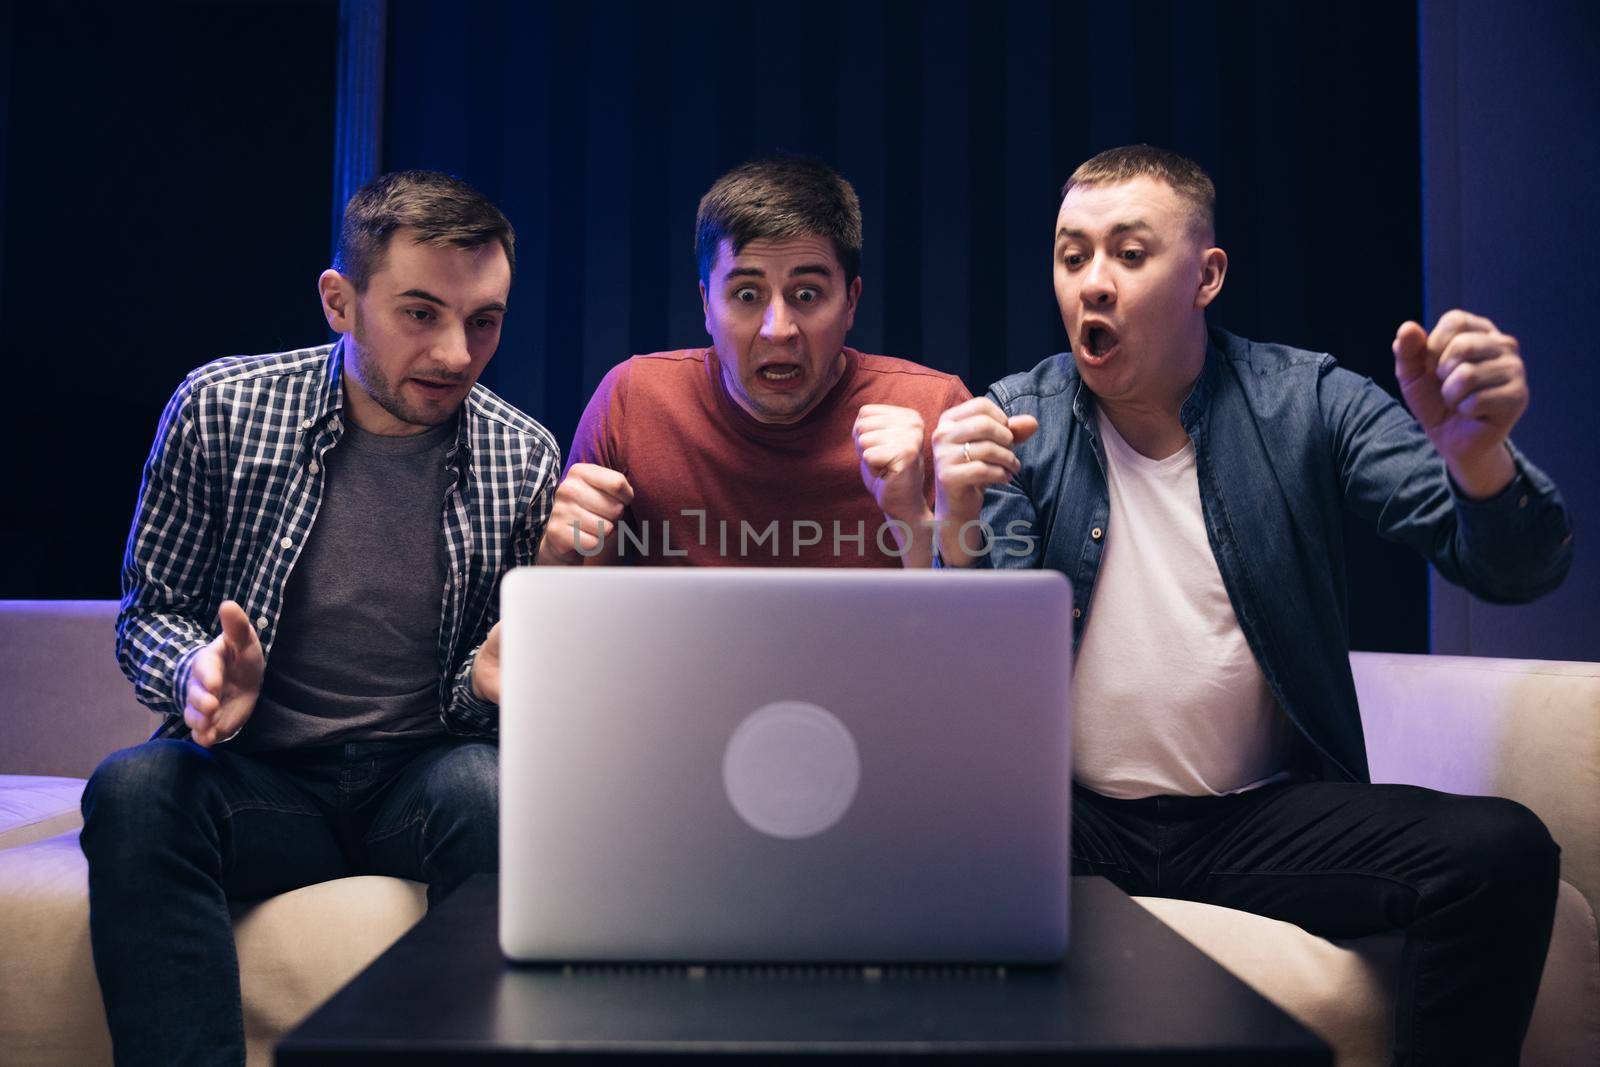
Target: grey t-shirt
[(358, 647)]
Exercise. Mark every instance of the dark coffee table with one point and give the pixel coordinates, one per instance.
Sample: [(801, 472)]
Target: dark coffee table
[(1129, 992)]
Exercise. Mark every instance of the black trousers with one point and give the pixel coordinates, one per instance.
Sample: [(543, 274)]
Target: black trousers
[(1471, 881)]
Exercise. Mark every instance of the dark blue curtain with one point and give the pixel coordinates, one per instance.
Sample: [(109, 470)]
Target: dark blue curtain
[(597, 128), (1511, 101), (167, 173)]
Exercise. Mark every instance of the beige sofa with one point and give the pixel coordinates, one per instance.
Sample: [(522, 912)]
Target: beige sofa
[(63, 706), (1524, 729)]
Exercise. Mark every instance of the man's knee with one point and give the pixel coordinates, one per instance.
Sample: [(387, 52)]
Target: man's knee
[(464, 786), (1503, 843), (461, 830), (138, 791), (144, 776)]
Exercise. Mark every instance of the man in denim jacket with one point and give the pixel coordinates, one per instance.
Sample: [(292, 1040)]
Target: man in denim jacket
[(1190, 483)]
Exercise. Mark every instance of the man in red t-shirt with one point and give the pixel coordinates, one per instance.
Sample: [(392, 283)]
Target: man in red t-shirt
[(777, 445)]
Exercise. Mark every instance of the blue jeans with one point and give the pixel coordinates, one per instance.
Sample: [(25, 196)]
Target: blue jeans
[(173, 832)]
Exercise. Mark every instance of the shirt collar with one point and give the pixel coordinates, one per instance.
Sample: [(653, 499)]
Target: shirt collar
[(329, 400), (1199, 399)]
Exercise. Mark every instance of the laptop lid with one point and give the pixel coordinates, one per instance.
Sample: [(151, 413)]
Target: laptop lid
[(709, 765)]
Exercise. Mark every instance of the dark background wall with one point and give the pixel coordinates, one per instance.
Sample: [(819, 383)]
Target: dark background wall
[(169, 201), (165, 201), (1511, 109)]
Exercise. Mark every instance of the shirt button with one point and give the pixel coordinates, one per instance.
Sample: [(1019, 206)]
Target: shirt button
[(312, 467), (1523, 501), (305, 424), (287, 542), (261, 623), (1077, 613), (1097, 533)]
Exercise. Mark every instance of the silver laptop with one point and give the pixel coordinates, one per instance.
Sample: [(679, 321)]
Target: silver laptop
[(714, 765)]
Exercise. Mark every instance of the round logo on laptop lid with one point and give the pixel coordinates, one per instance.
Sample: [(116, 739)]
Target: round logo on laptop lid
[(791, 769)]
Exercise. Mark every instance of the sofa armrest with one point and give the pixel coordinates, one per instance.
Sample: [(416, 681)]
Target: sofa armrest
[(1524, 729), (65, 703)]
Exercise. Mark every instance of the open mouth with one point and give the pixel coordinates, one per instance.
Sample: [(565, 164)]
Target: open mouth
[(778, 373), (434, 387), (1097, 341)]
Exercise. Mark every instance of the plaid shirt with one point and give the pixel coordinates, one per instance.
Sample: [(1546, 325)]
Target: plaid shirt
[(232, 488)]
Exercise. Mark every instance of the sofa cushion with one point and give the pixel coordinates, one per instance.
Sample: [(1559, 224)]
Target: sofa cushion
[(51, 1012), (33, 808), (1566, 1017), (294, 951), (1343, 993), (300, 948)]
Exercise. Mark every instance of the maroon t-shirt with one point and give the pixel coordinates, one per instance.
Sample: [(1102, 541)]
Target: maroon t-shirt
[(772, 495)]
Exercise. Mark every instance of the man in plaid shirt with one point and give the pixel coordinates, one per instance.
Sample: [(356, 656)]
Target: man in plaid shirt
[(310, 595)]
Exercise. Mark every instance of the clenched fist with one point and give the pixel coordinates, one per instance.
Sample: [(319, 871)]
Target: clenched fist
[(588, 503), (972, 450), (889, 444), (1466, 385)]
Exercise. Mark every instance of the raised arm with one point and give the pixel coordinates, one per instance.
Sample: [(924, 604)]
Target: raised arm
[(1449, 482)]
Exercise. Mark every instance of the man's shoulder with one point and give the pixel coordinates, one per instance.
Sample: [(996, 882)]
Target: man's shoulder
[(900, 381), (492, 413), (1051, 377), (672, 361), (287, 368), (1267, 359), (666, 373), (890, 365), (664, 366), (248, 389), (1284, 389)]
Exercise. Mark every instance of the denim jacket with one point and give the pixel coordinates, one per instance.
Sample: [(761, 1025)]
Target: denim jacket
[(1284, 440)]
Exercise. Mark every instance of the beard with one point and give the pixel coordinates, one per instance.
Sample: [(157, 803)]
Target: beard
[(385, 392)]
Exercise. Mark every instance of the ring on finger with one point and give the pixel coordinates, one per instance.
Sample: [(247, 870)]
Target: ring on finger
[(966, 451)]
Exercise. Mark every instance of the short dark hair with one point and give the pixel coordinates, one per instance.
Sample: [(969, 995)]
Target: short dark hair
[(441, 208), (1184, 175), (777, 197)]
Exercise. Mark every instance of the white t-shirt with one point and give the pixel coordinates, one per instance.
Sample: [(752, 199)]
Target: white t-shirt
[(1168, 698)]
